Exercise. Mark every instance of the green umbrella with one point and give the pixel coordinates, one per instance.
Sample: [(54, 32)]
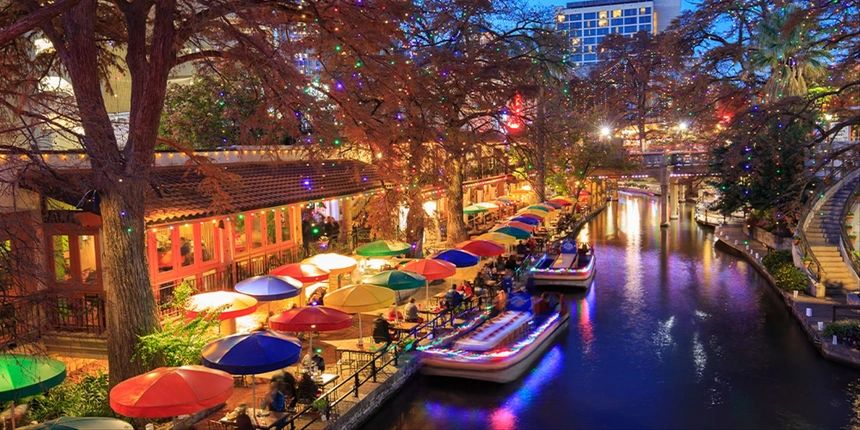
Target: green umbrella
[(473, 209), (89, 423), (383, 248), (513, 231), (26, 375), (397, 280), (539, 207)]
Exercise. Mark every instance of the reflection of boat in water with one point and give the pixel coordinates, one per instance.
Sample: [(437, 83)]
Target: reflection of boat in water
[(566, 265), (502, 348), (705, 216)]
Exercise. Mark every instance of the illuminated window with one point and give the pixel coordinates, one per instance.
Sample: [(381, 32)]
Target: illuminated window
[(616, 13), (164, 248), (603, 23), (285, 226), (186, 245), (271, 228), (89, 268), (62, 258), (207, 241), (602, 14), (239, 236), (256, 232)]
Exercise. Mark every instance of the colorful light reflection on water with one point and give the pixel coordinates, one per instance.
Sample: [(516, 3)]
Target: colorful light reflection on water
[(675, 333)]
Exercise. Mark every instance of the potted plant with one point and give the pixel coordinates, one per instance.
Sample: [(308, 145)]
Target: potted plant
[(852, 238), (796, 240), (806, 261), (849, 217), (857, 196), (321, 405), (848, 227)]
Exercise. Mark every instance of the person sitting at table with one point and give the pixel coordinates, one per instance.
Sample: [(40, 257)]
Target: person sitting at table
[(411, 311), (313, 361), (394, 314), (308, 390), (521, 248), (318, 297), (243, 421), (466, 289), (275, 400), (380, 330), (511, 264), (500, 264), (286, 385), (453, 298)]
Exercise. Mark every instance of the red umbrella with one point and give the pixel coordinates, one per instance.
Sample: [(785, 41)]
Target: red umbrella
[(310, 318), (431, 269), (305, 273), (482, 248), (563, 202), (169, 392)]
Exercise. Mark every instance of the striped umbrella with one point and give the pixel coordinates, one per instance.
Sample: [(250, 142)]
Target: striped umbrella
[(513, 231), (383, 248)]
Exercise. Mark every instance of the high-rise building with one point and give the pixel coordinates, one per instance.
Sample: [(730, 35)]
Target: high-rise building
[(587, 22)]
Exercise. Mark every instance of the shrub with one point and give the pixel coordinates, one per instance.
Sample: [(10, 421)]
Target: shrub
[(774, 260), (848, 332), (87, 398), (790, 278)]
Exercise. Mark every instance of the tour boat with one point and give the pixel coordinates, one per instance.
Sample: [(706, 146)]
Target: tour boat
[(564, 265), (498, 349)]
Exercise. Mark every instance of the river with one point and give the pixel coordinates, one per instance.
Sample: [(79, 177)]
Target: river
[(676, 332)]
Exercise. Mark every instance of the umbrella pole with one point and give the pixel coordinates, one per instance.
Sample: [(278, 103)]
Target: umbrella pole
[(13, 414), (427, 294), (360, 332), (254, 398)]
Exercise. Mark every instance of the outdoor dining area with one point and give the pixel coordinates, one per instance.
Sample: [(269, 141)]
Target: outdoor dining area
[(287, 338)]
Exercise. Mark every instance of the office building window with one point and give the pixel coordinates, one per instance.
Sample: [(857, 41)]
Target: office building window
[(602, 31), (628, 21), (616, 13), (645, 28), (644, 20), (644, 10), (603, 23), (617, 21), (630, 29), (575, 17), (602, 14), (590, 15)]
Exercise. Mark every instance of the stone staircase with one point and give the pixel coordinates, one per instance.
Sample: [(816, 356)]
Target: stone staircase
[(823, 234)]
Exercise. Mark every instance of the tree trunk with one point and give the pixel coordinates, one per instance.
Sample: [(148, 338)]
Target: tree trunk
[(539, 184), (415, 223), (454, 195), (130, 307)]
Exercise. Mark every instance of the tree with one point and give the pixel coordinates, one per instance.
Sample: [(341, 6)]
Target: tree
[(89, 39)]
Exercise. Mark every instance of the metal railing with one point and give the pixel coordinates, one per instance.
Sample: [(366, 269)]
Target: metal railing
[(847, 246), (849, 312), (76, 312), (370, 370)]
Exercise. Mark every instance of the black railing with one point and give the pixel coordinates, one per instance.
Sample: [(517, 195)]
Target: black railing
[(846, 312), (78, 312), (370, 370), (847, 245)]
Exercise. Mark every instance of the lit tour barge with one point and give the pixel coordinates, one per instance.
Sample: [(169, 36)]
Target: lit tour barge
[(501, 348), (565, 265)]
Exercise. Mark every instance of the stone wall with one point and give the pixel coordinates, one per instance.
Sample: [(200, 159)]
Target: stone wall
[(375, 400), (769, 239)]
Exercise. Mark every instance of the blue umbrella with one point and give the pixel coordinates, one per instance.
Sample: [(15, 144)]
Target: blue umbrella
[(268, 288), (526, 220), (252, 353), (457, 257), (513, 231)]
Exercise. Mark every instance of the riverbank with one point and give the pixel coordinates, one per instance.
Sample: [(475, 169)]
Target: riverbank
[(807, 310)]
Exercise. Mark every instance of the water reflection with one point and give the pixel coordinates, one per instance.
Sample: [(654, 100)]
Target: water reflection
[(674, 333)]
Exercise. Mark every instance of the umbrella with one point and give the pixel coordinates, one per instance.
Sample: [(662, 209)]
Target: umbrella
[(473, 209), (552, 204), (520, 225), (431, 269), (80, 423), (526, 220), (538, 217), (537, 212), (544, 205), (487, 205), (383, 248), (561, 202), (360, 298), (234, 305), (26, 375), (513, 231), (169, 392), (269, 288), (458, 257), (311, 318), (252, 353), (502, 238), (397, 280), (504, 200), (304, 273), (336, 264), (482, 248), (539, 207)]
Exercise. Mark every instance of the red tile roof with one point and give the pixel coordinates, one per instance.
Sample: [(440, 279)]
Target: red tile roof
[(185, 193)]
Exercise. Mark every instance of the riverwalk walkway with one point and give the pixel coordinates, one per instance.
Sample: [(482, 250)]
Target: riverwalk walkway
[(812, 313)]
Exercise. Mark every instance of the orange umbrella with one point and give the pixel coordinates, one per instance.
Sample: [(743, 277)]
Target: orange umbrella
[(169, 392)]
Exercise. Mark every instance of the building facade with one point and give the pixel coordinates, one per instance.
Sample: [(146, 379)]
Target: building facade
[(587, 23)]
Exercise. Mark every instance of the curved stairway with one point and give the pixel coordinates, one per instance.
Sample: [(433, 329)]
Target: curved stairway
[(823, 233)]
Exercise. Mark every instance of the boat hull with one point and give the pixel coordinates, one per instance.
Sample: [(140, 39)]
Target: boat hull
[(582, 280), (502, 371)]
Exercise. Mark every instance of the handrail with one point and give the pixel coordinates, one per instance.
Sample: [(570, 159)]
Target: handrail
[(846, 241), (814, 267), (399, 348)]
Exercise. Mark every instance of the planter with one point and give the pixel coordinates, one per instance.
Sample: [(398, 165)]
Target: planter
[(806, 264)]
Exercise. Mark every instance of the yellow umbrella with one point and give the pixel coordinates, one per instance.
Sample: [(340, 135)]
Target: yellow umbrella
[(359, 298), (538, 212), (498, 237), (336, 264)]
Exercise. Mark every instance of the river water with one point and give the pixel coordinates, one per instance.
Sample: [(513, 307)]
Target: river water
[(675, 333)]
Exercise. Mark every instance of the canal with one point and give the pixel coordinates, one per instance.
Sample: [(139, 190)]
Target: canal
[(676, 332)]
